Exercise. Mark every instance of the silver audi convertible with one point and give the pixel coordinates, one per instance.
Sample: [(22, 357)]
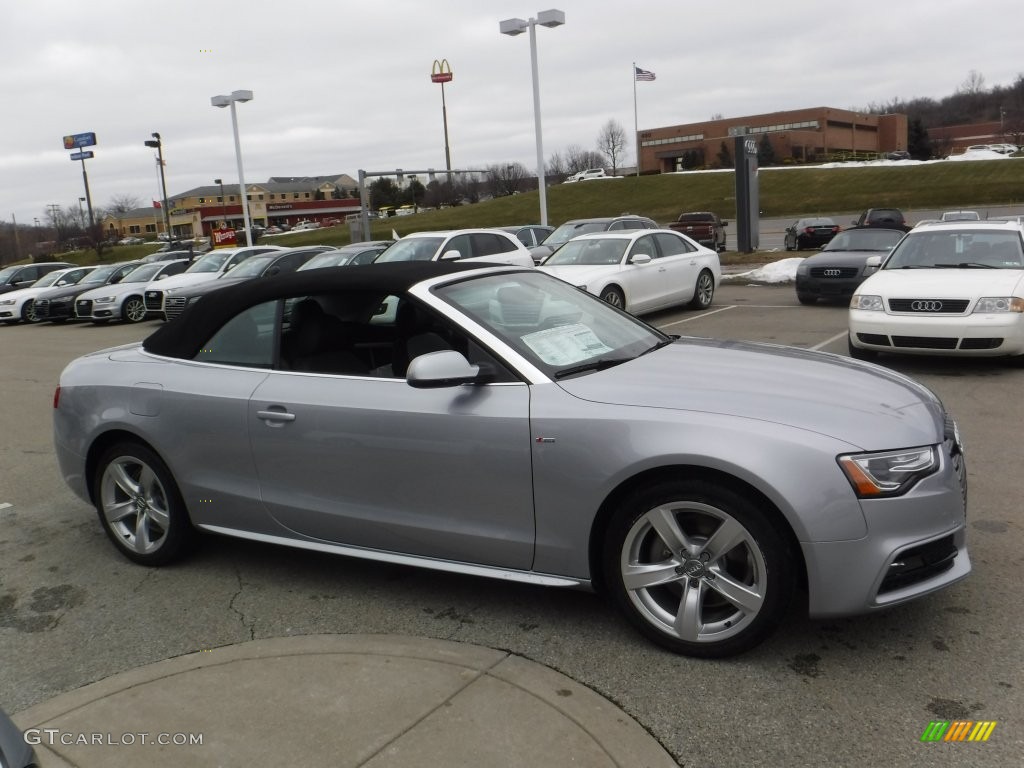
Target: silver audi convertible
[(496, 421)]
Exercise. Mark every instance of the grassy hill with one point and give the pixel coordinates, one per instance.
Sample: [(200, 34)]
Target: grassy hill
[(784, 192)]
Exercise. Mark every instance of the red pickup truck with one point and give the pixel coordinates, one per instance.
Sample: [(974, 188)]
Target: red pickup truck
[(704, 227)]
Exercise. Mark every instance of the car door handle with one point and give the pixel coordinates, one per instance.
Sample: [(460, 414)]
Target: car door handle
[(275, 415)]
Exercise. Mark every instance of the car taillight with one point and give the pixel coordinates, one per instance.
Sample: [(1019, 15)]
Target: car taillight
[(809, 230), (56, 397)]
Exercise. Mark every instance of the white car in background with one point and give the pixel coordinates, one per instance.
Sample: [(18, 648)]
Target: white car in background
[(18, 306), (491, 245), (952, 288), (639, 270), (125, 300), (209, 266)]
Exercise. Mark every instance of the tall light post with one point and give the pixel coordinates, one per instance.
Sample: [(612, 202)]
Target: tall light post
[(81, 212), (513, 27), (229, 101), (157, 144)]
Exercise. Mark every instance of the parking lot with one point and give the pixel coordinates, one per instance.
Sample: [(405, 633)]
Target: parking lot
[(858, 691)]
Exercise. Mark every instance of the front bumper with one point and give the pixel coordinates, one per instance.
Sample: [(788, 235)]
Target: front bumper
[(916, 545), (828, 287), (975, 335)]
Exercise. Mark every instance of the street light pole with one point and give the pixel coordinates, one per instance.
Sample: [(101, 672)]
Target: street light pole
[(159, 146), (230, 101), (512, 27)]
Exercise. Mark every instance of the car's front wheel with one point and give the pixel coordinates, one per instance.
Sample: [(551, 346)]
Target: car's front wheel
[(704, 291), (133, 310), (140, 506), (28, 312), (613, 296), (859, 354), (698, 568)]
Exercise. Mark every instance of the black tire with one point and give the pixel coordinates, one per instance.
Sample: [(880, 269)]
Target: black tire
[(613, 295), (703, 291), (135, 495), (796, 244), (860, 354), (785, 244), (133, 310), (806, 298), (755, 568)]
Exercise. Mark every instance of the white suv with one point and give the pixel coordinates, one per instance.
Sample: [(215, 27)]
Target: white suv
[(472, 244)]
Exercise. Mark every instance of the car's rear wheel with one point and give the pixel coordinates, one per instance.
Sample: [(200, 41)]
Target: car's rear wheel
[(613, 295), (698, 569), (860, 354), (704, 291), (140, 506), (133, 310)]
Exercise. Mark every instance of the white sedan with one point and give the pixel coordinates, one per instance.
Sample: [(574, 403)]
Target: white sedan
[(19, 306), (640, 270), (492, 245), (952, 288)]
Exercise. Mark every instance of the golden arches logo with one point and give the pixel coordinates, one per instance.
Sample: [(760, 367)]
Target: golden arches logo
[(441, 71)]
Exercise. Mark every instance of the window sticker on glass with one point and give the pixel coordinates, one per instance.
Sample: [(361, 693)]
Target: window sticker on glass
[(566, 344)]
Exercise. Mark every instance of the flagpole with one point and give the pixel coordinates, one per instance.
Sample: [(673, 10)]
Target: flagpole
[(636, 125)]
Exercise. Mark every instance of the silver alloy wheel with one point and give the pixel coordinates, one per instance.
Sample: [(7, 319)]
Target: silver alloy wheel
[(704, 292), (614, 297), (28, 312), (134, 310), (693, 572), (135, 505)]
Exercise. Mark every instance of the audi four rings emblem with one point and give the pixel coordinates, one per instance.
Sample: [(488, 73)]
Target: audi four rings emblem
[(926, 306), (831, 273)]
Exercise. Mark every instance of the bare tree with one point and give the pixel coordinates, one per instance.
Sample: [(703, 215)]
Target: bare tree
[(123, 203), (974, 84), (717, 116), (611, 142), (556, 169), (505, 178), (579, 159)]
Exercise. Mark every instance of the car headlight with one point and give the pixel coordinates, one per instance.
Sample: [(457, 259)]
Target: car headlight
[(867, 302), (802, 269), (194, 299), (103, 300), (1000, 304), (891, 473), (6, 302)]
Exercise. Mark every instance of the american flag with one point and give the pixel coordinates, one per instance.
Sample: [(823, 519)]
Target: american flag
[(643, 74)]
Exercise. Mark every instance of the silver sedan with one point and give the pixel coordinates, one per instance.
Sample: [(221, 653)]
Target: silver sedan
[(498, 422)]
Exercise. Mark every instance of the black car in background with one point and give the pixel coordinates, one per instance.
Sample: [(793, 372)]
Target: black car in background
[(839, 268), (810, 233), (259, 265), (887, 218), (574, 227), (58, 304), (23, 275), (365, 252)]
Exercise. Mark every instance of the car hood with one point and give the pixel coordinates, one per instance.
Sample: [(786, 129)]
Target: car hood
[(118, 289), (209, 286), (840, 258), (581, 274), (25, 293), (944, 283), (179, 281), (863, 405), (53, 294)]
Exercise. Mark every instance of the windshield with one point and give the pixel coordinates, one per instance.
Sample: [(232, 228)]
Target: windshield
[(211, 262), (251, 267), (143, 274), (958, 248), (6, 273), (558, 328), (330, 259), (569, 230), (412, 249), (52, 277), (863, 240), (589, 252), (101, 274)]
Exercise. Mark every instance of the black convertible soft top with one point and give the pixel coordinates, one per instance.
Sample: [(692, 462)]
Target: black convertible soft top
[(184, 336)]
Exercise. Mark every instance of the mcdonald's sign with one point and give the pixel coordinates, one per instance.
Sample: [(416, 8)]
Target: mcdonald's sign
[(441, 72)]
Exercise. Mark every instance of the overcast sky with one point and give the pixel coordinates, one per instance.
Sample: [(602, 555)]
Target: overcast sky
[(341, 85)]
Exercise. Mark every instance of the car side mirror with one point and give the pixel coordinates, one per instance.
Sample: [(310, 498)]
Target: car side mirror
[(160, 277), (62, 283), (450, 255), (873, 261), (725, 223), (443, 369), (640, 258), (275, 270)]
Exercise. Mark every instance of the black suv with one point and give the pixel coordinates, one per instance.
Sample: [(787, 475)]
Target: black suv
[(23, 275), (890, 218)]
